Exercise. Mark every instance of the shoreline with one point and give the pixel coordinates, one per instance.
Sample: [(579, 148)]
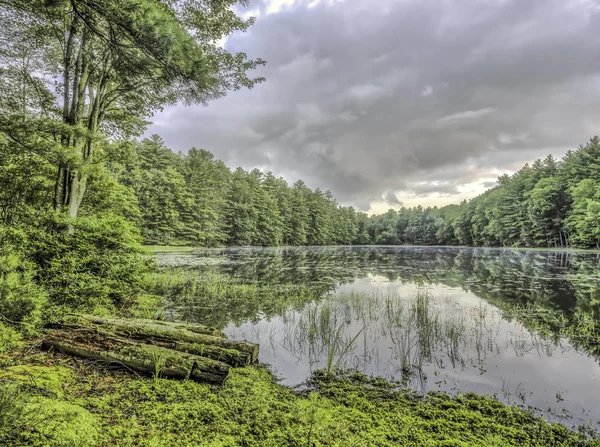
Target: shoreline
[(74, 397)]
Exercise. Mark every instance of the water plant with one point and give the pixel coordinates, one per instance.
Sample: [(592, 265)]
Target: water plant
[(333, 347)]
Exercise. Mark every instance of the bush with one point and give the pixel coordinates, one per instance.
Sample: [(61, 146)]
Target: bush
[(21, 299), (8, 338), (46, 270), (99, 265)]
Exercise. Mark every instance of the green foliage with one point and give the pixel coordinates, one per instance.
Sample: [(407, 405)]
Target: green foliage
[(46, 271), (99, 265), (8, 338), (11, 412), (252, 409), (548, 204), (194, 199), (30, 419), (67, 148), (21, 299), (114, 64)]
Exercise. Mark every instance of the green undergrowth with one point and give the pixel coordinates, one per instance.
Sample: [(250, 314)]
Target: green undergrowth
[(55, 401)]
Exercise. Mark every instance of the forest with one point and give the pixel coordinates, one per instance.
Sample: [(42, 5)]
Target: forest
[(194, 199)]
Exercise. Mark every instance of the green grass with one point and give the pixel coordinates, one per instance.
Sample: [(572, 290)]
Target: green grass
[(56, 401)]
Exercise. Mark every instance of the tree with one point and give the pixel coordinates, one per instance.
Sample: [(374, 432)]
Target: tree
[(115, 63), (547, 205), (583, 223)]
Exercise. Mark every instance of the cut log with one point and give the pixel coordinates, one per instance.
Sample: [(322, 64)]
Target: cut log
[(177, 350), (142, 358), (197, 328), (177, 336), (232, 357)]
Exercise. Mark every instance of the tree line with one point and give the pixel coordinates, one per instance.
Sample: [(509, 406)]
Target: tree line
[(550, 203), (193, 199)]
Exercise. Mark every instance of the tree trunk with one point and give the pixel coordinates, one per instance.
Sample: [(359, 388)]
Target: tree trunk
[(179, 350), (157, 331), (144, 359)]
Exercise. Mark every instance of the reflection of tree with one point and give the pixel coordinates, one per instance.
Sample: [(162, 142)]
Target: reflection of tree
[(554, 282)]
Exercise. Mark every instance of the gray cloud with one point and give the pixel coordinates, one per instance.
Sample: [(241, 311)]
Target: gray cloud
[(425, 188), (391, 198), (420, 96)]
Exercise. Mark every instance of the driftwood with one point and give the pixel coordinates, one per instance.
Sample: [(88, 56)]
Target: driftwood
[(173, 350)]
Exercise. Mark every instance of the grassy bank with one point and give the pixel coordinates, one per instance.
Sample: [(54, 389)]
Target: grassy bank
[(48, 399)]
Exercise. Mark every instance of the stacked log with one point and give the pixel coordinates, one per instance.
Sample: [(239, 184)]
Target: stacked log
[(158, 348)]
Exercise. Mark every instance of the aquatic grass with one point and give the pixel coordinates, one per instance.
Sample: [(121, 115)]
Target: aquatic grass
[(419, 330), (333, 347), (217, 300)]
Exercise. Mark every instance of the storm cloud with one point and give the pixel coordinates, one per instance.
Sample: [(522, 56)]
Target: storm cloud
[(404, 102)]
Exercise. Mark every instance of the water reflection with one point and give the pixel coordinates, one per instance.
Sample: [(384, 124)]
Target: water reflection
[(435, 318), (563, 281)]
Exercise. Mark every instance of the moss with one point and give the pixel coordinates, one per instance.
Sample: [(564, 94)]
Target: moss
[(51, 379), (60, 424), (252, 409)]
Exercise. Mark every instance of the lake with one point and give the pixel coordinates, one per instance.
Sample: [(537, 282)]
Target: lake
[(520, 325)]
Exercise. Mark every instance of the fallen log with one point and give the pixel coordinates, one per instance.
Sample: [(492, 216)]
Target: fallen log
[(177, 336), (193, 327), (142, 358), (231, 357)]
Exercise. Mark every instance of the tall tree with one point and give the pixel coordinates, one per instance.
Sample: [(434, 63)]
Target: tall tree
[(115, 62)]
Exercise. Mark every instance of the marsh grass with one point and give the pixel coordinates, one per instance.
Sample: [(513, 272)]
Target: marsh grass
[(332, 349), (411, 334), (420, 329), (217, 300)]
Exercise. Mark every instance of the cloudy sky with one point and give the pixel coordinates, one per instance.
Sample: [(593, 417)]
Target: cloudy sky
[(391, 102)]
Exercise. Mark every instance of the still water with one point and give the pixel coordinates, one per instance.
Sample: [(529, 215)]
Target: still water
[(521, 325)]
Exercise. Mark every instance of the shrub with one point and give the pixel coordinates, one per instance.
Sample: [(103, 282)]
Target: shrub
[(21, 299), (8, 338), (101, 264), (46, 270)]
